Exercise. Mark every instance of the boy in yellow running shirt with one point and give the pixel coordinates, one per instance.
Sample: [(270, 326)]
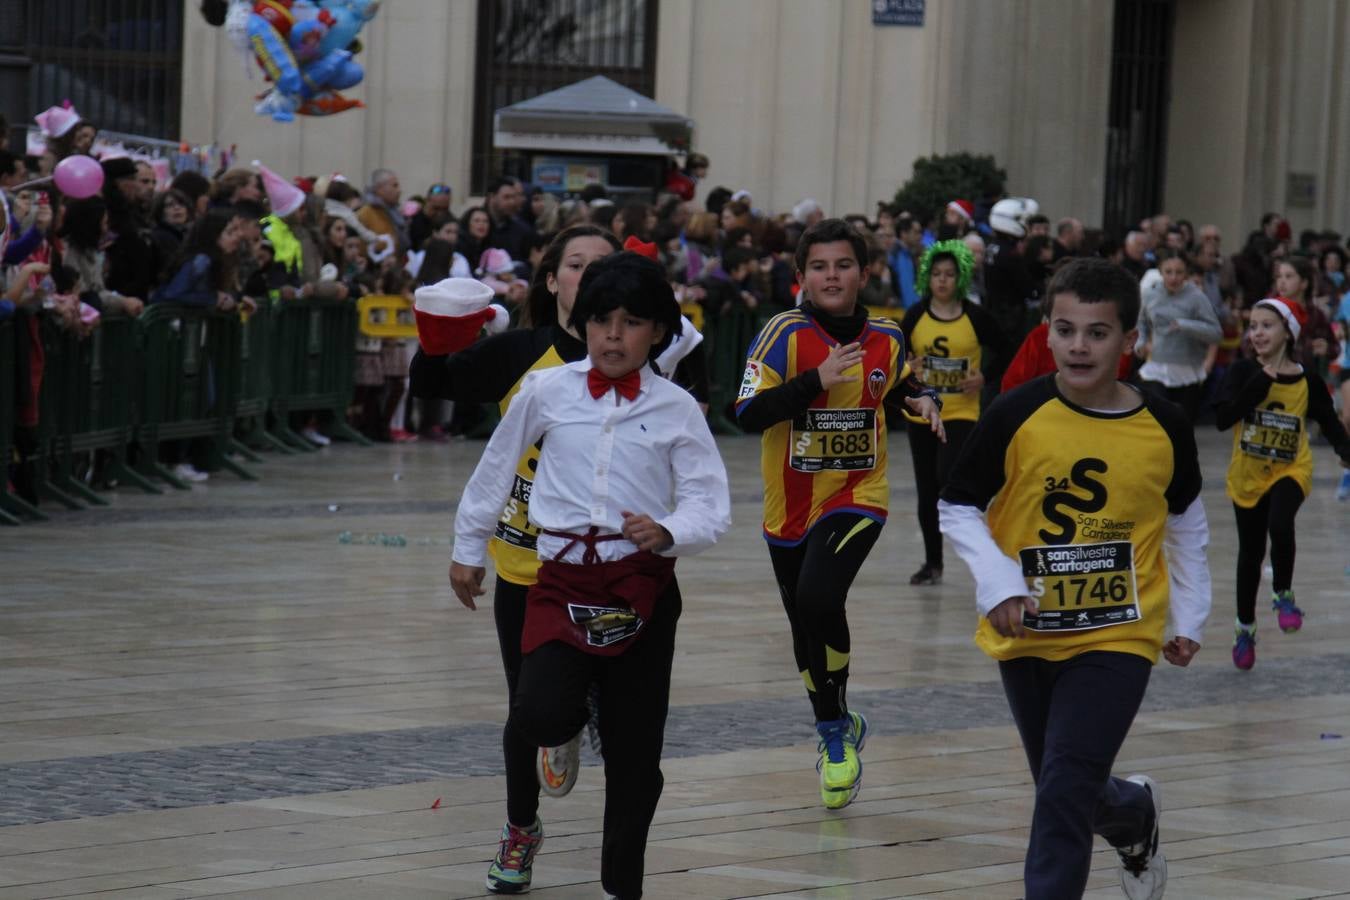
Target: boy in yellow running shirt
[(1076, 504)]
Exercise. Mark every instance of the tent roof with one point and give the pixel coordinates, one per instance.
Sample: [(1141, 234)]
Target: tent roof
[(598, 115)]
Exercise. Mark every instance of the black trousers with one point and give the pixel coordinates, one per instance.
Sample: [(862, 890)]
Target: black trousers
[(933, 462), (1188, 396), (550, 707), (1274, 516), (813, 580), (1073, 716), (522, 785)]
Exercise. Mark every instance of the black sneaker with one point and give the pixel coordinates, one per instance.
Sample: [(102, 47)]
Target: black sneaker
[(1143, 869), (929, 574)]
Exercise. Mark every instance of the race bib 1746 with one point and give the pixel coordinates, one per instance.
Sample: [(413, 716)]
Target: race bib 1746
[(1080, 586)]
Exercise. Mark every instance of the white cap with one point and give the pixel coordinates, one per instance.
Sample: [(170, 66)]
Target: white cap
[(453, 297)]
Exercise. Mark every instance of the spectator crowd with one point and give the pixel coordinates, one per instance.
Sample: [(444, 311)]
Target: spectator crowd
[(246, 237)]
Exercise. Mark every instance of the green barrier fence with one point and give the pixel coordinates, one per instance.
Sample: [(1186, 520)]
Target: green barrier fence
[(313, 365), (728, 337), (88, 394), (13, 509), (255, 386), (189, 385)]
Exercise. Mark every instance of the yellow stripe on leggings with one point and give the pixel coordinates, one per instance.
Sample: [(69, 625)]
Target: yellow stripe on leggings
[(862, 523)]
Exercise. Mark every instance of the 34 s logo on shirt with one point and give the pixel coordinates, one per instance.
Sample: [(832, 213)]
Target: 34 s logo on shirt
[(1059, 495)]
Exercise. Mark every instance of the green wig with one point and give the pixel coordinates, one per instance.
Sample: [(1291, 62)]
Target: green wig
[(965, 266)]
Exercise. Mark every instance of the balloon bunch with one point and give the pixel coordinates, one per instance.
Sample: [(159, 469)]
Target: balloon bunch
[(305, 49)]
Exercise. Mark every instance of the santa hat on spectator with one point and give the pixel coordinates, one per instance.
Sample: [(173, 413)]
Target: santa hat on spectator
[(642, 248), (1294, 315), (464, 309), (964, 207), (495, 261), (284, 196), (57, 120)]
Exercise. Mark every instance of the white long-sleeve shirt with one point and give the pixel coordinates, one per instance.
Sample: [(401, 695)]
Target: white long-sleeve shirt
[(653, 455), (999, 577)]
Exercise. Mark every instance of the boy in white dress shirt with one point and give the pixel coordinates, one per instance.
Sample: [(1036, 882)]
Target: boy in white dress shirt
[(628, 479)]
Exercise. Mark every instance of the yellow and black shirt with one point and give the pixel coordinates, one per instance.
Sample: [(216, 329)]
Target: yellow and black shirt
[(947, 351), (1270, 441), (823, 451), (491, 371), (1080, 500)]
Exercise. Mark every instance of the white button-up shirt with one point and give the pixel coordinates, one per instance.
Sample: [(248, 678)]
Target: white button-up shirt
[(652, 455)]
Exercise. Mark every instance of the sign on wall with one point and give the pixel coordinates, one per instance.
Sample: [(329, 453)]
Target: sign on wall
[(898, 12)]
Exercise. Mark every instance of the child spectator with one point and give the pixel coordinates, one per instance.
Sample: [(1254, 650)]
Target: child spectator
[(879, 291)]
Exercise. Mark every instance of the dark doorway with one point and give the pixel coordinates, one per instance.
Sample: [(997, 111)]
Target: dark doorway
[(530, 47), (1141, 92), (119, 62)]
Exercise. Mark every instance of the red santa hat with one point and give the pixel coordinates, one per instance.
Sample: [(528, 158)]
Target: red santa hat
[(964, 207), (284, 196), (451, 313), (57, 120), (1294, 315)]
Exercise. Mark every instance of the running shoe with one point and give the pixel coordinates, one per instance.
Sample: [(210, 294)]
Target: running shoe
[(1289, 616), (557, 767), (929, 574), (513, 867), (839, 766), (1143, 869), (1244, 649), (1343, 490)]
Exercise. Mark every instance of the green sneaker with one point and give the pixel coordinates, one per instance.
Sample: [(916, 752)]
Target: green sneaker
[(513, 867), (839, 766)]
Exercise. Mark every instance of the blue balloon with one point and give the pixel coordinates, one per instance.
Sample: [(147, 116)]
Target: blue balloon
[(273, 54), (349, 17), (332, 72)]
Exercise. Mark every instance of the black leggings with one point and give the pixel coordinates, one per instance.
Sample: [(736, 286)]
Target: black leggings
[(933, 462), (1273, 515), (522, 785), (1187, 396), (634, 695), (813, 579)]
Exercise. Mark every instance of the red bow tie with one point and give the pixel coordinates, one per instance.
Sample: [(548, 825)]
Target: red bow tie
[(626, 385)]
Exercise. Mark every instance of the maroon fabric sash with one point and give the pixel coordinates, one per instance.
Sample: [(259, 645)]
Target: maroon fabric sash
[(600, 608)]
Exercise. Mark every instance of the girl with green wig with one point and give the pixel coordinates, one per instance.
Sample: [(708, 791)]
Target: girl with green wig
[(952, 341)]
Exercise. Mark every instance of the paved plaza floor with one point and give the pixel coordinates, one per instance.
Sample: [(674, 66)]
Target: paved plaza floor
[(267, 690)]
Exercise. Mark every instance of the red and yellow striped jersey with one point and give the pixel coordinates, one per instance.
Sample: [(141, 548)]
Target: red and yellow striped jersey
[(831, 457)]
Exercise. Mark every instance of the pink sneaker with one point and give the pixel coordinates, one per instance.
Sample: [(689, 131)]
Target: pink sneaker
[(399, 436), (1244, 650), (1289, 616)]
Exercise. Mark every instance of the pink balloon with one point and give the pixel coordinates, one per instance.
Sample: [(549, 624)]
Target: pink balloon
[(78, 176)]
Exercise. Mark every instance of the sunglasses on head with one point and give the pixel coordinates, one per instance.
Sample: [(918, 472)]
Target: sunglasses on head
[(439, 189)]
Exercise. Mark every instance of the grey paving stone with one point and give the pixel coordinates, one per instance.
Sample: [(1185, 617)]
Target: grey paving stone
[(79, 787)]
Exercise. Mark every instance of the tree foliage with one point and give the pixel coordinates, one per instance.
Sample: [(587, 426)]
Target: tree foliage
[(937, 180)]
